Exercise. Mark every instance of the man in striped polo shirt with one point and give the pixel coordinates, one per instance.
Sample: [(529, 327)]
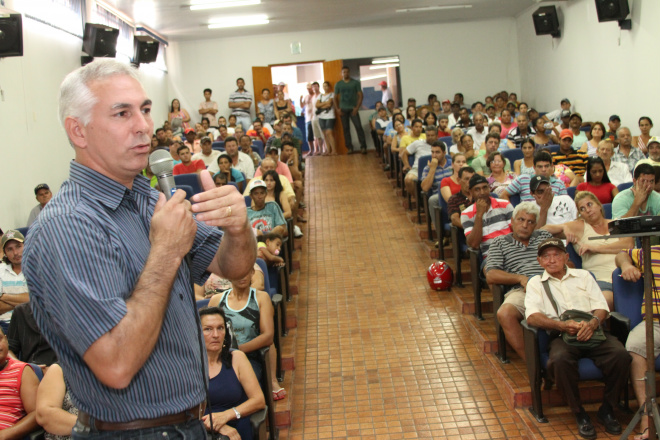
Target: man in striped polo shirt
[(486, 219), (568, 156), (542, 167), (512, 261), (240, 103)]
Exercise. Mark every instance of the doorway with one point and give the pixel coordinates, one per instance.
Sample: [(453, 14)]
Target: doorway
[(295, 77)]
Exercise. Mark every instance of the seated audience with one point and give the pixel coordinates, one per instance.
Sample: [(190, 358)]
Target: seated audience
[(215, 284), (43, 196), (56, 412), (462, 199), (562, 172), (220, 179), (264, 216), (258, 132), (269, 164), (499, 179), (555, 115), (464, 122), (576, 289), (418, 149), (520, 133), (456, 136), (640, 199), (479, 163), (512, 261), (553, 209), (506, 119), (13, 286), (280, 167), (415, 135), (653, 146), (399, 133), (174, 147), (627, 153), (208, 155), (542, 167), (641, 141), (234, 392), (613, 124), (540, 138), (239, 160), (579, 136), (597, 133), (443, 126), (223, 133), (598, 182), (479, 131), (192, 141), (250, 312), (275, 192), (18, 395), (231, 174), (567, 155), (466, 147), (437, 169), (486, 219), (25, 341), (526, 164), (245, 144), (452, 184), (187, 165), (268, 249)]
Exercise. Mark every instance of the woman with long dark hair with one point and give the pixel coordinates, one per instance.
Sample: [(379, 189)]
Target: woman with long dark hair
[(176, 112), (598, 182), (275, 192), (642, 141)]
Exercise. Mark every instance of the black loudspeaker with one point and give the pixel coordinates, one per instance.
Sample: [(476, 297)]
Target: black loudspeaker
[(145, 49), (546, 21), (100, 40), (612, 10), (11, 35)]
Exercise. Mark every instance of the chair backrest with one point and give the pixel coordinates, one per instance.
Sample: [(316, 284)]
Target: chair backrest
[(573, 256), (218, 145), (607, 207), (191, 180), (624, 186), (628, 297), (203, 303), (23, 231), (188, 189), (447, 140), (446, 222), (258, 142), (232, 184), (259, 148), (37, 371), (248, 201), (571, 191), (515, 200), (411, 160), (423, 161), (512, 155), (264, 268), (553, 148), (586, 128)]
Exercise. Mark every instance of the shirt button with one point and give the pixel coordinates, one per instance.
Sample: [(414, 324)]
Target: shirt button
[(181, 296)]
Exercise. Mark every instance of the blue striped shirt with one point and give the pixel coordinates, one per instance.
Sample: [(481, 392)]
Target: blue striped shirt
[(521, 186), (82, 261)]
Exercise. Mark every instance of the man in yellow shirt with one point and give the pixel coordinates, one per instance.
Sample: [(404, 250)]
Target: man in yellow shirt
[(415, 135)]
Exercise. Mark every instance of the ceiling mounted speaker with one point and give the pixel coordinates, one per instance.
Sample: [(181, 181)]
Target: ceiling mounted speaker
[(612, 10), (11, 35), (546, 21), (145, 49), (100, 40)]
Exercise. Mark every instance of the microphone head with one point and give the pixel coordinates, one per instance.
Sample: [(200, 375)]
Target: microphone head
[(161, 162)]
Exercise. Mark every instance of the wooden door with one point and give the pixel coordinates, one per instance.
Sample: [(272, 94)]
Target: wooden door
[(261, 79), (332, 74)]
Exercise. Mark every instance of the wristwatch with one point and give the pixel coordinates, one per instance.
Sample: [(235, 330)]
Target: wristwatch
[(238, 415)]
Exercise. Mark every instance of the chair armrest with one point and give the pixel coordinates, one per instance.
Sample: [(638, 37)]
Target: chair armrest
[(37, 435), (263, 353), (529, 328), (258, 418), (620, 326), (276, 300)]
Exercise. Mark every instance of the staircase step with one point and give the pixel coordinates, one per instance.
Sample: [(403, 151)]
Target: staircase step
[(289, 350), (283, 406)]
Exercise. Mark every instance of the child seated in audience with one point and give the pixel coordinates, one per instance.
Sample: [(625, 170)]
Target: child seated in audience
[(269, 247), (219, 179)]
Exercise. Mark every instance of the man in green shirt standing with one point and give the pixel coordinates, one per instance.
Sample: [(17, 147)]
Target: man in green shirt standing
[(348, 99)]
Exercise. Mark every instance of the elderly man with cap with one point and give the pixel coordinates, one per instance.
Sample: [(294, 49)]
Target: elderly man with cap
[(264, 217), (43, 195), (568, 156), (487, 218), (542, 166), (626, 152), (13, 286), (387, 93), (280, 167), (548, 296), (654, 152), (208, 155), (554, 209)]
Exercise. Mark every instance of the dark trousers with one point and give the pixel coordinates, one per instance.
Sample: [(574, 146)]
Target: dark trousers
[(346, 115), (610, 356)]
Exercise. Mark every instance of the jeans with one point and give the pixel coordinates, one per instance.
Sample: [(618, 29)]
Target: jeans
[(346, 114), (193, 430), (434, 203), (245, 122)]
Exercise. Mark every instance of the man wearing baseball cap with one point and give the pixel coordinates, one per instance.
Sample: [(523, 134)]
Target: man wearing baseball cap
[(387, 93), (43, 195), (554, 209), (555, 116), (654, 152), (264, 217), (568, 156), (576, 289), (13, 286), (613, 124)]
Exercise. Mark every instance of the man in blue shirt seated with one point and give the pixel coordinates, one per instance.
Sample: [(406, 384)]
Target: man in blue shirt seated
[(264, 217)]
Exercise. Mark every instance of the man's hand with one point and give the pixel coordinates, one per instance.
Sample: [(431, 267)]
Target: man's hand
[(523, 281), (172, 225), (642, 191), (571, 327), (587, 331), (340, 111), (546, 199), (631, 273), (224, 206), (355, 111), (482, 207), (433, 163)]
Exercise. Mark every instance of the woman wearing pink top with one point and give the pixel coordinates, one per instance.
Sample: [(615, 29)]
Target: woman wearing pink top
[(508, 123)]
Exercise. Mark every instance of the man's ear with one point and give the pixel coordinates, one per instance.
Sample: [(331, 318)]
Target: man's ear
[(76, 131)]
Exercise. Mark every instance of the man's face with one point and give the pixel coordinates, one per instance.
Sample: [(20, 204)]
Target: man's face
[(287, 152), (479, 122), (117, 140), (224, 164), (258, 196), (316, 89), (207, 95), (442, 124), (624, 137), (231, 148), (465, 116), (287, 128), (257, 126), (465, 181), (446, 107), (431, 136), (540, 190), (523, 226), (184, 155), (491, 145), (345, 74), (43, 196), (543, 168), (223, 131), (273, 155), (232, 120), (382, 113), (574, 122), (437, 153), (479, 107), (645, 179), (206, 148), (267, 165), (222, 120), (390, 106), (605, 152), (565, 105), (246, 143), (553, 260), (455, 109), (566, 143), (490, 112), (614, 125), (168, 134), (481, 191), (417, 129), (240, 84), (205, 124), (190, 137), (160, 135), (523, 122), (14, 252), (654, 151), (457, 98)]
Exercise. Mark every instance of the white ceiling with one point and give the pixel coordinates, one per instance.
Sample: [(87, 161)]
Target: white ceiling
[(174, 20)]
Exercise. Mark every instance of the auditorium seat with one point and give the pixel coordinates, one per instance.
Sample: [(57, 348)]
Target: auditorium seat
[(191, 180), (423, 161)]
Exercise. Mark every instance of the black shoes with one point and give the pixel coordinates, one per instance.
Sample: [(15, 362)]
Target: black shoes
[(606, 418), (585, 427), (364, 151)]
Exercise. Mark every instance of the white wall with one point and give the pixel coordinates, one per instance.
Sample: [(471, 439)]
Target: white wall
[(34, 147), (476, 58), (601, 69)]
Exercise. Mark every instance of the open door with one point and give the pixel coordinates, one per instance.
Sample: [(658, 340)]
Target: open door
[(261, 79), (332, 74)]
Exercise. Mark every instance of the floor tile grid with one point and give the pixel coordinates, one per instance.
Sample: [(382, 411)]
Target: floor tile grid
[(377, 353)]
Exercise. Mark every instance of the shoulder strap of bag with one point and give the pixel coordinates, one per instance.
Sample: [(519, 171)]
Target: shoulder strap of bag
[(546, 287)]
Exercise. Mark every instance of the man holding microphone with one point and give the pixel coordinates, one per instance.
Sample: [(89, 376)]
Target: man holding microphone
[(104, 266)]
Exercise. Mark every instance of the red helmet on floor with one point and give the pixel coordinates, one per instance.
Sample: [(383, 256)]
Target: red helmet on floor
[(440, 276)]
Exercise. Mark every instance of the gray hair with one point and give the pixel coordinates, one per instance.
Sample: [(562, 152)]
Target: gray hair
[(268, 158), (76, 99), (622, 128), (528, 208)]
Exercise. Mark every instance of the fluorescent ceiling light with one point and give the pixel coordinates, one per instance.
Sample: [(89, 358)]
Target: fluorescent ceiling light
[(385, 60), (198, 6), (383, 66), (247, 20), (435, 8), (367, 78)]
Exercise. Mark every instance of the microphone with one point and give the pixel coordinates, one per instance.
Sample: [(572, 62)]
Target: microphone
[(162, 164)]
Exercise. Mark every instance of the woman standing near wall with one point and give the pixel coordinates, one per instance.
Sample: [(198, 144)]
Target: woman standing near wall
[(176, 112)]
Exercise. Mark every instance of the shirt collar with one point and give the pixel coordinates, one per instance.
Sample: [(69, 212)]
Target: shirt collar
[(102, 188), (569, 273)]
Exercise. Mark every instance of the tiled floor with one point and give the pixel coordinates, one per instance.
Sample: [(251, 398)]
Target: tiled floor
[(379, 355)]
